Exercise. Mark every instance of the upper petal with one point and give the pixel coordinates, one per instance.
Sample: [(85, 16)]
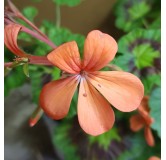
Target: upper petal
[(56, 96), (99, 49), (123, 90), (66, 57), (10, 39), (94, 113)]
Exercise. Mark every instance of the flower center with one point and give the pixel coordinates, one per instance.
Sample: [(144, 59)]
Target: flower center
[(83, 73)]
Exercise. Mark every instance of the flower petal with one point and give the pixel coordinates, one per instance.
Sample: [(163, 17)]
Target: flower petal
[(123, 90), (149, 136), (66, 57), (154, 158), (94, 113), (144, 107), (99, 49), (56, 96), (10, 39), (136, 122)]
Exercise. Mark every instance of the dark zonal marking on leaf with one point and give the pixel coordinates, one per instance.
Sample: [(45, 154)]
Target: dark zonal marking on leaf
[(126, 7), (147, 71), (85, 95), (154, 44), (157, 63)]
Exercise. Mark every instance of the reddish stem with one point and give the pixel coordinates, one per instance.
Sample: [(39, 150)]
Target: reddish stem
[(39, 60), (8, 64), (32, 25), (36, 35)]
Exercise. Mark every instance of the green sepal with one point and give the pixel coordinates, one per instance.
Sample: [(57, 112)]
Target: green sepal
[(26, 69)]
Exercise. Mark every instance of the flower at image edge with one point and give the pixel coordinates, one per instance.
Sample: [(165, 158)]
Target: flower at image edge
[(154, 158), (143, 120), (96, 88)]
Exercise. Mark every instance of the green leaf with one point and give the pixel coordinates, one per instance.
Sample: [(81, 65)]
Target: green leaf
[(123, 61), (138, 37), (150, 82), (62, 35), (30, 12), (143, 45), (40, 75), (138, 149), (105, 139), (155, 109), (144, 55), (24, 36), (138, 10), (55, 73), (25, 69), (36, 75), (156, 24), (130, 14), (70, 3), (14, 79), (66, 148)]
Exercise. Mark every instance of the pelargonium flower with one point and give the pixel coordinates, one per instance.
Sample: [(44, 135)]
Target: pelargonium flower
[(96, 88), (143, 120), (154, 158)]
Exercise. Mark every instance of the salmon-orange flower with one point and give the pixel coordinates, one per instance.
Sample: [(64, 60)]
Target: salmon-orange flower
[(97, 88), (143, 120), (154, 158)]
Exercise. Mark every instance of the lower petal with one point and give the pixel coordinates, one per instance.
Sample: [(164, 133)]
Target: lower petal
[(136, 122), (149, 136), (56, 96), (94, 113), (123, 90)]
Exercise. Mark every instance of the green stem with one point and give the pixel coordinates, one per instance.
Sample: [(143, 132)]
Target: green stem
[(58, 16), (144, 21)]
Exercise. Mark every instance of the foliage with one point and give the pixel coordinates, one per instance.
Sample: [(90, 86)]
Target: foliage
[(132, 14), (150, 82), (14, 79), (138, 53), (105, 139), (144, 45), (155, 106), (70, 3), (30, 12)]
